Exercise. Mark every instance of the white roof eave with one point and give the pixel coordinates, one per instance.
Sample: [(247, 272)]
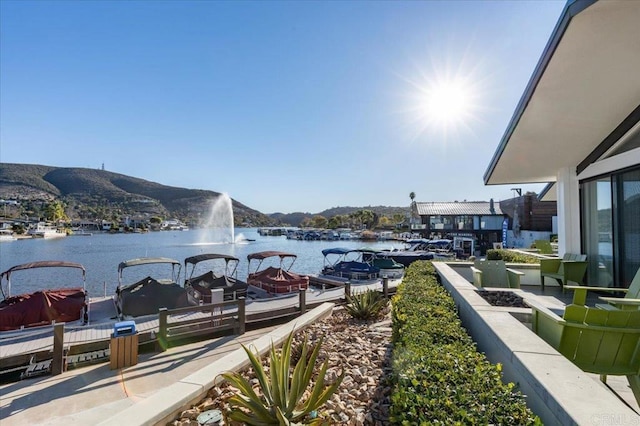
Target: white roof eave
[(584, 87)]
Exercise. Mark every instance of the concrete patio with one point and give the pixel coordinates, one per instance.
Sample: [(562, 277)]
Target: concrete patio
[(557, 391)]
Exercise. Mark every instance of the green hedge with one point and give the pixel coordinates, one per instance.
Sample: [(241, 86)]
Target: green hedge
[(511, 256), (438, 374)]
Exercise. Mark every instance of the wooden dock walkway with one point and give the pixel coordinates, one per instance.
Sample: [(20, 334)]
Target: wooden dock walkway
[(22, 347)]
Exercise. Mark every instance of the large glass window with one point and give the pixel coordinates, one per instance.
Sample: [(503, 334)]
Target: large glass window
[(441, 223), (611, 228), (463, 222), (491, 222), (598, 231), (629, 219)]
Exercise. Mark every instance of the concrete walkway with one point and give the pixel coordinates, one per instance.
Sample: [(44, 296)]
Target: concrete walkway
[(92, 394), (148, 393)]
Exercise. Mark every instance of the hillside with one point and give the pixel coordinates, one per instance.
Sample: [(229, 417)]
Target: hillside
[(295, 219), (90, 193)]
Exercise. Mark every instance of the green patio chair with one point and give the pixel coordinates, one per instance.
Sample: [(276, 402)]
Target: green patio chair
[(596, 340), (571, 267), (543, 246), (494, 273), (630, 301)]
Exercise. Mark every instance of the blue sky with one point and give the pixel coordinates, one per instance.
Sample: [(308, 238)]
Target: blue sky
[(286, 106)]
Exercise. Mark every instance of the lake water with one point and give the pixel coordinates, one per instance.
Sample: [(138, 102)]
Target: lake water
[(101, 254)]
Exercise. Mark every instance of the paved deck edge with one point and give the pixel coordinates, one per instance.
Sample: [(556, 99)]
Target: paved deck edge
[(556, 390), (164, 405)]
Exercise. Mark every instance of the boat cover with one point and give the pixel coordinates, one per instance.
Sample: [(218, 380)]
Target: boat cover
[(355, 270), (278, 280), (42, 307), (207, 281), (148, 295), (42, 264)]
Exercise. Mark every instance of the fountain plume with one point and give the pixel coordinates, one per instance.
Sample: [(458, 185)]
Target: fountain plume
[(219, 223)]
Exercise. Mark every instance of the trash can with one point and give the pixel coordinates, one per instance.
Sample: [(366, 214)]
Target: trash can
[(124, 345)]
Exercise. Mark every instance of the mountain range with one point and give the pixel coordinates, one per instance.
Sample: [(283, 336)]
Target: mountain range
[(92, 193)]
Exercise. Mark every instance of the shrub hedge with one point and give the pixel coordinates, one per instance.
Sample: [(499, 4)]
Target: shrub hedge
[(511, 256), (438, 374)]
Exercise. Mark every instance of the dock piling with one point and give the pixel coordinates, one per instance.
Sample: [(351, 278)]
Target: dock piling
[(57, 364)]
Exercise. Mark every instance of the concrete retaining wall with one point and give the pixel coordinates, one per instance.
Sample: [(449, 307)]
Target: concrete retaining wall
[(557, 391)]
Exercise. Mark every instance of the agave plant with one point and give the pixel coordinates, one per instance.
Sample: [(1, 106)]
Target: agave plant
[(280, 401), (366, 305)]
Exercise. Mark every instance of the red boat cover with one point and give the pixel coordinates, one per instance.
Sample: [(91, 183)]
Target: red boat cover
[(277, 280), (42, 307)]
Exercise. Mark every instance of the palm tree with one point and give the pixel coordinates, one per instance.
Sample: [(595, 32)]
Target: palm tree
[(412, 195)]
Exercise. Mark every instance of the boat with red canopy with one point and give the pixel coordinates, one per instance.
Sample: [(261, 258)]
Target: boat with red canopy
[(272, 279), (42, 307)]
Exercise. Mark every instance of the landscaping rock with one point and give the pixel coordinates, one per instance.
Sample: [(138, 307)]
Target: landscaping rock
[(362, 348)]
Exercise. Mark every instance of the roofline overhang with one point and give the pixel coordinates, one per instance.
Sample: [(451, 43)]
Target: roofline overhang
[(571, 9), (547, 192)]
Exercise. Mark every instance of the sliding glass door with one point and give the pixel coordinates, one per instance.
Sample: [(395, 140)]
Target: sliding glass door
[(611, 228), (628, 201)]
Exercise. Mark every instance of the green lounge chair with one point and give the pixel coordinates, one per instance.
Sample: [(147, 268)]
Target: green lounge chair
[(494, 273), (596, 340), (543, 246), (571, 267), (630, 301)]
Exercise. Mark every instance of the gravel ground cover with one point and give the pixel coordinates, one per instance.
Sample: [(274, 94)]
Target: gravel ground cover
[(363, 349), (502, 298)]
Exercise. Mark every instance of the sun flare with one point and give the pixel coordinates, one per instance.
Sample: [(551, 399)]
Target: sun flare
[(446, 103)]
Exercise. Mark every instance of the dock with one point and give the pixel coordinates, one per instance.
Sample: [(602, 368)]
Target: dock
[(29, 351)]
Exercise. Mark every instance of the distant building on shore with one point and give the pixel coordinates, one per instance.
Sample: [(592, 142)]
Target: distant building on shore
[(524, 219)]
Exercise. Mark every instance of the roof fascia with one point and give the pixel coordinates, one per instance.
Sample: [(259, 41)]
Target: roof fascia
[(545, 190), (571, 9), (613, 137)]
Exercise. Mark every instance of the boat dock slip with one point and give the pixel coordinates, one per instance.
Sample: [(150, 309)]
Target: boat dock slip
[(20, 348)]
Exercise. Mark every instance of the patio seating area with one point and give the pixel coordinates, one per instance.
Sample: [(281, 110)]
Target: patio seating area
[(550, 381)]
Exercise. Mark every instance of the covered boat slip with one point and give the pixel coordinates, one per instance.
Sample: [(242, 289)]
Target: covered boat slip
[(148, 295), (272, 279), (44, 306), (218, 277), (363, 264)]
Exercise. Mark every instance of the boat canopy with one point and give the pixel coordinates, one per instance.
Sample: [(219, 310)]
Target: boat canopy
[(209, 256), (146, 261), (343, 251), (262, 255), (43, 264), (231, 263), (265, 254), (336, 250)]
